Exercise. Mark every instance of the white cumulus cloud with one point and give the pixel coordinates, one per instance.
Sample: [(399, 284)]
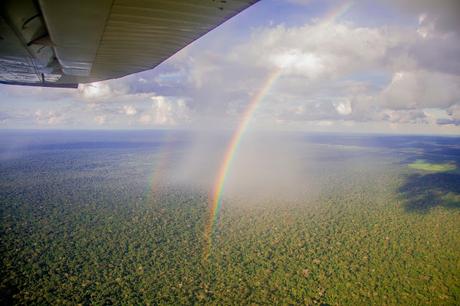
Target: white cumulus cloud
[(166, 111), (129, 110), (100, 120), (48, 117)]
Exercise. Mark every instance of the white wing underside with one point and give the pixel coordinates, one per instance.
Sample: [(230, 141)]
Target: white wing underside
[(59, 43)]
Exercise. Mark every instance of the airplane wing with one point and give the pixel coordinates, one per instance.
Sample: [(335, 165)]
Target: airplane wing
[(59, 43)]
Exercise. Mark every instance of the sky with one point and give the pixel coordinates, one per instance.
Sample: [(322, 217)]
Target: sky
[(341, 66)]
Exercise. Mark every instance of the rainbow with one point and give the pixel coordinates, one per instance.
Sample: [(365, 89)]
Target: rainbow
[(232, 148), (230, 153), (336, 12)]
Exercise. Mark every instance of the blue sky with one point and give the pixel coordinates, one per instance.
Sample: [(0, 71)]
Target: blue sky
[(375, 66)]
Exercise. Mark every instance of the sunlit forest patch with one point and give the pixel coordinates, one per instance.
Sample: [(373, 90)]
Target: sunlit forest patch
[(421, 164), (94, 226)]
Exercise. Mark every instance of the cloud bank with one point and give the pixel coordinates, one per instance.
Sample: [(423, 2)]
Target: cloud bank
[(345, 73)]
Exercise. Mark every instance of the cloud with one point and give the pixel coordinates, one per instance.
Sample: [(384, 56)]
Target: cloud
[(344, 107), (437, 52), (316, 50), (295, 62), (145, 119), (314, 60), (442, 15), (453, 116), (100, 120), (333, 73), (421, 89), (404, 116), (95, 91), (327, 74), (166, 111), (49, 117), (454, 111), (129, 110)]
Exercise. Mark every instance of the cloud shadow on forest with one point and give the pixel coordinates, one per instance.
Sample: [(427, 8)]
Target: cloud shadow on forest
[(422, 192)]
